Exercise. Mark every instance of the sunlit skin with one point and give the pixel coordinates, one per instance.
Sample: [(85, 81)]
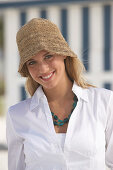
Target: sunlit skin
[(49, 71)]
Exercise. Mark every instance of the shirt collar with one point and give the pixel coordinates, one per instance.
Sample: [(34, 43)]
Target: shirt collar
[(36, 97), (80, 92)]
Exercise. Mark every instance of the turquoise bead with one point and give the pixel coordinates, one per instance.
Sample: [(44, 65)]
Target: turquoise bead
[(60, 124), (55, 117), (60, 120), (75, 98), (69, 116), (55, 123), (66, 120), (52, 113), (74, 105)]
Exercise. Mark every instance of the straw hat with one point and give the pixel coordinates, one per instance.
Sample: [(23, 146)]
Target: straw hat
[(40, 34)]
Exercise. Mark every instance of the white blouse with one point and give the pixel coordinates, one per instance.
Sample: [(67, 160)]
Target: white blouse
[(61, 137), (33, 143)]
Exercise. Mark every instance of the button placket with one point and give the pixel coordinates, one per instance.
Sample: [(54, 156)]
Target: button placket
[(73, 118)]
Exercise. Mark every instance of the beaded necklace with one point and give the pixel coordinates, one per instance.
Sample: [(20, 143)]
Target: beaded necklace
[(57, 121)]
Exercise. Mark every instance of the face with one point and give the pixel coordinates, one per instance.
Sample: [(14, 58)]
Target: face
[(46, 69)]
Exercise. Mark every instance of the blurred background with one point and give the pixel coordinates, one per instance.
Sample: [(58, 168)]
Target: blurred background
[(87, 26)]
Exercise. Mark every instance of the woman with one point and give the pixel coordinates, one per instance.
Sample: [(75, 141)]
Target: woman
[(67, 124)]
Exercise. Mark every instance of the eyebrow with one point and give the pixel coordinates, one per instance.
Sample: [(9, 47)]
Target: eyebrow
[(46, 54), (43, 55)]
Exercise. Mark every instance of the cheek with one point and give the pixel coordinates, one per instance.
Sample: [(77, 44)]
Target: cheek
[(58, 64), (60, 67), (32, 72)]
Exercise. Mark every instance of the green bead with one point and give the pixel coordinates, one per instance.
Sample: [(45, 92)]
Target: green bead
[(52, 113), (55, 123), (66, 120), (74, 105), (60, 124), (75, 98), (55, 117), (60, 120), (69, 116)]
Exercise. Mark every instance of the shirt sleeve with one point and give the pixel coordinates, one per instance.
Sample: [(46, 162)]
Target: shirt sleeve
[(15, 147), (109, 134)]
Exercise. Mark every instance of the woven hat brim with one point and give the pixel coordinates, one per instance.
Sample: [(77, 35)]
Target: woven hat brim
[(37, 35)]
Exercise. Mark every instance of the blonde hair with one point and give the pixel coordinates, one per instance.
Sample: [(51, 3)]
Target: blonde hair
[(74, 69)]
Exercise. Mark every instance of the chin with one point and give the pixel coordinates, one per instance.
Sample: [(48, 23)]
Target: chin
[(50, 86)]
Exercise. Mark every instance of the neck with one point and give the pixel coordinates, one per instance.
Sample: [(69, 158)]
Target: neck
[(61, 91)]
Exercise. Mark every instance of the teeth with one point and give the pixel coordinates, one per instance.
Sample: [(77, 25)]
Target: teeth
[(47, 76)]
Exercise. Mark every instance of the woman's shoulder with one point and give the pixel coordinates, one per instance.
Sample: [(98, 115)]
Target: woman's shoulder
[(100, 93), (20, 107), (100, 90), (25, 106)]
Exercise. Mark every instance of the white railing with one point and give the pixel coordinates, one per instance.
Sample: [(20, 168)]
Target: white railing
[(3, 145), (3, 160)]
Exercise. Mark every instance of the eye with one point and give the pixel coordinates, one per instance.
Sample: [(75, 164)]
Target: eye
[(48, 56), (31, 63)]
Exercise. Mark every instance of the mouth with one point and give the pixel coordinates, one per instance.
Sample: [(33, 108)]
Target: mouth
[(48, 77)]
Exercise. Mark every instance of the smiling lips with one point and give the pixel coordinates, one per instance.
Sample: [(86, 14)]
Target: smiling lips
[(46, 78)]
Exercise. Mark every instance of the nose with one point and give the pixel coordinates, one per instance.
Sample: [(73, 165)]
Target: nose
[(43, 68)]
